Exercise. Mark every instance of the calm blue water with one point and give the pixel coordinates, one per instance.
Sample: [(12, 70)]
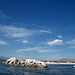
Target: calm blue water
[(51, 70)]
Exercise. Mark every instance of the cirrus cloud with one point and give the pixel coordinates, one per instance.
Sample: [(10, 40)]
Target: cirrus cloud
[(25, 41), (60, 36), (71, 42), (55, 42), (12, 31), (2, 42), (72, 47), (38, 49), (45, 31), (2, 15)]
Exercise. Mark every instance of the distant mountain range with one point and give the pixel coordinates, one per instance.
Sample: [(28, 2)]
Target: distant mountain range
[(3, 58), (73, 60)]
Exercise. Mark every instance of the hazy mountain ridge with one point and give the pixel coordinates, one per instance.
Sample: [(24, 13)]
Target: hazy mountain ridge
[(67, 60), (3, 58)]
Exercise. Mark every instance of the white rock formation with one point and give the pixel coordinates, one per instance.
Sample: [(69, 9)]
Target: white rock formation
[(27, 62), (35, 63), (14, 61)]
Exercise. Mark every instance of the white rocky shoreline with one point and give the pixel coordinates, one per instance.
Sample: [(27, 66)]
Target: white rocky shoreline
[(61, 63), (27, 63)]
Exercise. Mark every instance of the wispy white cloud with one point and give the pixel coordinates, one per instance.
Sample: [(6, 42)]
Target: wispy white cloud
[(11, 31), (38, 49), (22, 41), (45, 31), (2, 15), (28, 49), (71, 42), (47, 51), (60, 36), (25, 41), (55, 42), (72, 47), (2, 42)]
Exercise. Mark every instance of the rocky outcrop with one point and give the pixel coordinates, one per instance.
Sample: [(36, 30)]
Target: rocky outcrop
[(14, 61), (35, 63), (26, 63)]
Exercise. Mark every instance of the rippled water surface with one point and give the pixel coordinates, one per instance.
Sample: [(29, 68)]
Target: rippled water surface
[(51, 70)]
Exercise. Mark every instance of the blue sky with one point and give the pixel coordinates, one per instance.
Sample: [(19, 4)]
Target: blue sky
[(37, 29)]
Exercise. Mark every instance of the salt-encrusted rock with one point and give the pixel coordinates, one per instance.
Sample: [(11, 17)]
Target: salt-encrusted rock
[(13, 61), (23, 63), (35, 63), (27, 62)]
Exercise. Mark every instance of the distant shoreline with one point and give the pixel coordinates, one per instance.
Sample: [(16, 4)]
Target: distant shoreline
[(61, 63)]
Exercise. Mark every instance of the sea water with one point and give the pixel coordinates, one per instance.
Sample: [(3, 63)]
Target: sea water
[(51, 70)]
